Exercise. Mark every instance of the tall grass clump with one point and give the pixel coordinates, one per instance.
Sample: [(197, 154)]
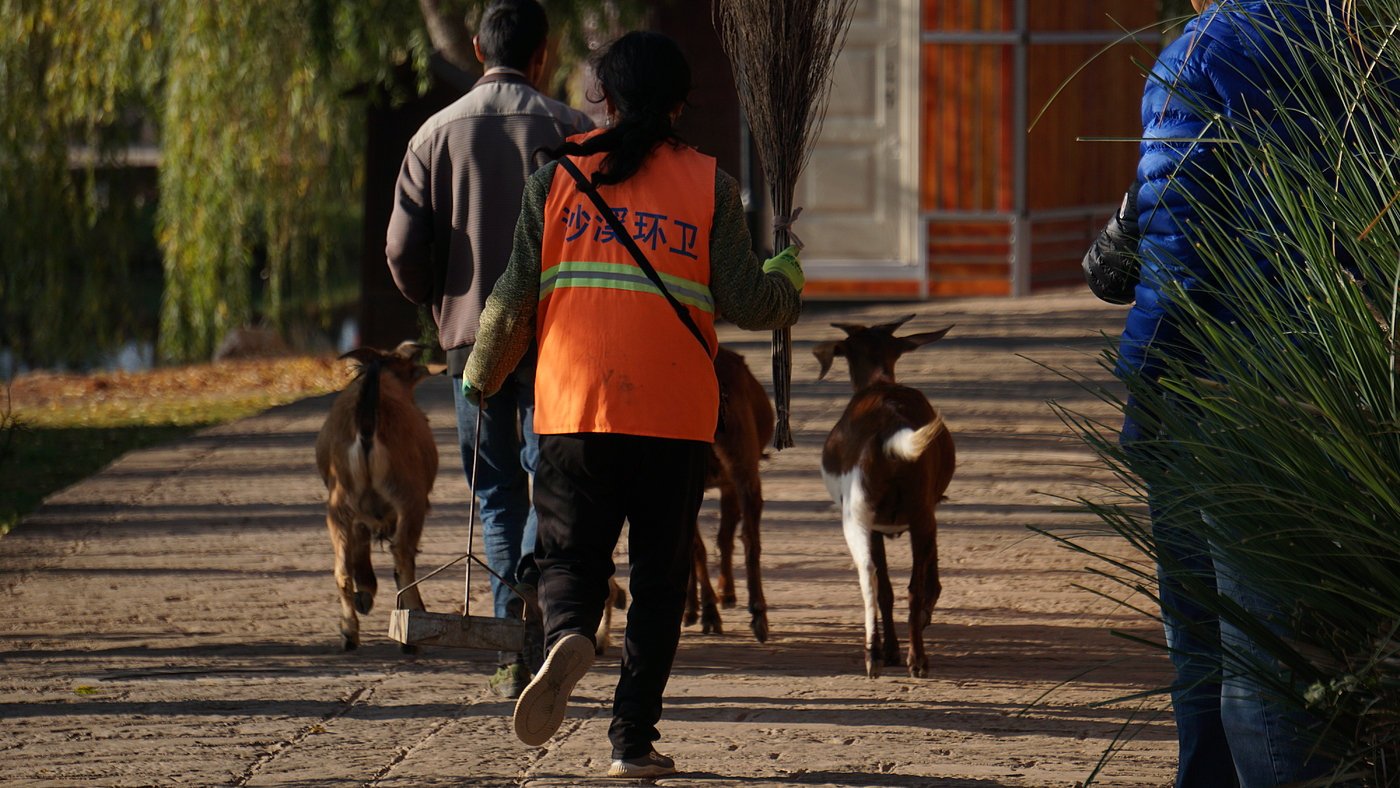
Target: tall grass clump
[(1281, 429)]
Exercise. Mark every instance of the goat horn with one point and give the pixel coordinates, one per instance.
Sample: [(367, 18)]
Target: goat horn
[(919, 340), (825, 352), (892, 327)]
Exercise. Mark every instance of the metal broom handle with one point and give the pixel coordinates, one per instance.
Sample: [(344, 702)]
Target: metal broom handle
[(471, 526), (471, 511)]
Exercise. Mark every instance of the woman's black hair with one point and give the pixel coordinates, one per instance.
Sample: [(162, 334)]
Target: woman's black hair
[(646, 76)]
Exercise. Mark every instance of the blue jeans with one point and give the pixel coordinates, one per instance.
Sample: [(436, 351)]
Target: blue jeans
[(1230, 734), (1269, 744), (510, 450), (1193, 639)]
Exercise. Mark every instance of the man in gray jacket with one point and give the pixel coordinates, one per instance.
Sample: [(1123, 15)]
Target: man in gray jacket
[(450, 235)]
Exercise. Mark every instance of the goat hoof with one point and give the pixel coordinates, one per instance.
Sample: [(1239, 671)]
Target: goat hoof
[(690, 618), (918, 672), (759, 625), (729, 600), (873, 666), (408, 648), (349, 642), (364, 602), (760, 629), (710, 621)]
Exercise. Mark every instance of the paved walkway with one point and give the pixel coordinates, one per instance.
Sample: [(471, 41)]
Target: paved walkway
[(172, 620)]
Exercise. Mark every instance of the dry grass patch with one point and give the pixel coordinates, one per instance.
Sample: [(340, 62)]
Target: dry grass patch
[(60, 428)]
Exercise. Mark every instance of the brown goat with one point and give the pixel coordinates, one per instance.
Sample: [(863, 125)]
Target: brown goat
[(617, 600), (733, 468), (887, 463), (377, 456)]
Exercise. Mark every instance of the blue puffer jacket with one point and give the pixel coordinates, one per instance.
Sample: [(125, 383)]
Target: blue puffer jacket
[(1215, 75)]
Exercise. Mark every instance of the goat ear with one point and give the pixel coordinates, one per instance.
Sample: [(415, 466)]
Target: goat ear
[(362, 355), (851, 329), (409, 349), (919, 340), (825, 352), (890, 328)]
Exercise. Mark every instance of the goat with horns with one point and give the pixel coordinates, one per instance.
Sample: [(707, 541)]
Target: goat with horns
[(887, 463)]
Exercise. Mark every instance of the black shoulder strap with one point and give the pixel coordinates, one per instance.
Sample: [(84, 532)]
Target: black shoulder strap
[(622, 235)]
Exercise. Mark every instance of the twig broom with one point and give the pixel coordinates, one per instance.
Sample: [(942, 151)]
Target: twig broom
[(783, 53)]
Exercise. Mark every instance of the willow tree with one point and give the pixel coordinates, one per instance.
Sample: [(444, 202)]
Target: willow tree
[(260, 149)]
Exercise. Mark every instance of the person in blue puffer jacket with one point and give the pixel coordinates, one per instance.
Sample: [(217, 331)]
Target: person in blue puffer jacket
[(1215, 73)]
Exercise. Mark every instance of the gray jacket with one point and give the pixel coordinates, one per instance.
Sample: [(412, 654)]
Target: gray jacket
[(458, 198)]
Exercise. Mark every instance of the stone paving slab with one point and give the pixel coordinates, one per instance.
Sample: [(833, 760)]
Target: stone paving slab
[(172, 620)]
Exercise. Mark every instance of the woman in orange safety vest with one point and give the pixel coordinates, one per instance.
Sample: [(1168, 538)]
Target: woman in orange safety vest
[(626, 400)]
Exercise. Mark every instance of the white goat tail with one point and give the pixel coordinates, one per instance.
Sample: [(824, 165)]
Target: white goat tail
[(909, 444)]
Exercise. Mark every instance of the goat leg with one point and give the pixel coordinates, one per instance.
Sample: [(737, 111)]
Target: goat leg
[(753, 552), (405, 550), (617, 600), (885, 593), (729, 499), (856, 520), (347, 558), (700, 579), (405, 574), (692, 588), (366, 584), (602, 638), (924, 590)]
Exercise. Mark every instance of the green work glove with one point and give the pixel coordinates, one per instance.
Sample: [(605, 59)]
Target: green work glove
[(472, 394), (787, 264)]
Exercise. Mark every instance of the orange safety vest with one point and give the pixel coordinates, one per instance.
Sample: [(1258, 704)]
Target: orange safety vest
[(613, 354)]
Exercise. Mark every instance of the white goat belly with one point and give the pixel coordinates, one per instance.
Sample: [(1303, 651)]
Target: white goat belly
[(835, 484), (890, 529)]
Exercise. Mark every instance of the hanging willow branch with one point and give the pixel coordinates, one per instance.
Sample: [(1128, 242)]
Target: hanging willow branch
[(784, 54), (258, 109)]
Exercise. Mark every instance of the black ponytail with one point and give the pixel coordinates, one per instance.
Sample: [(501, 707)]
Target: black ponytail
[(647, 78)]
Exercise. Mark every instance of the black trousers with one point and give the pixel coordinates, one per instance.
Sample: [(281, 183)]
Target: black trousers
[(586, 486)]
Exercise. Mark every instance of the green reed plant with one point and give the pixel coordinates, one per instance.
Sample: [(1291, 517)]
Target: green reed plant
[(1281, 428)]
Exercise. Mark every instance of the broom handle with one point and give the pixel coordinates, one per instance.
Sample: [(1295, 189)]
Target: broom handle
[(782, 370), (471, 537), (471, 510)]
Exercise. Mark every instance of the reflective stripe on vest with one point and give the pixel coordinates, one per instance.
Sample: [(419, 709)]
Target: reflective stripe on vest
[(624, 277), (613, 355)]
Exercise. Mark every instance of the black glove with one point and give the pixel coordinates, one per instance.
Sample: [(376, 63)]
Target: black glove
[(1111, 264)]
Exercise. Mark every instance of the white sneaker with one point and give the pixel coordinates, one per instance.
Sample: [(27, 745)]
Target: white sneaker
[(653, 764), (540, 710)]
